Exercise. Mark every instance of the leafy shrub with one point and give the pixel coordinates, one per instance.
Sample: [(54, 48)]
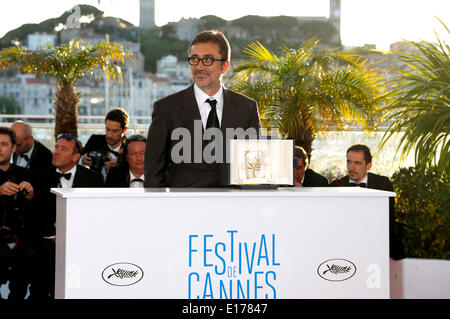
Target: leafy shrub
[(422, 207)]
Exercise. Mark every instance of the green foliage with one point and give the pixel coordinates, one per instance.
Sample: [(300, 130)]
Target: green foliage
[(320, 29), (155, 47), (8, 105), (423, 209), (250, 22), (421, 105), (308, 90), (67, 63), (209, 22)]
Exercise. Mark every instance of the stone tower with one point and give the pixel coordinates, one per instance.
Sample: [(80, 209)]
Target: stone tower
[(335, 18), (146, 14)]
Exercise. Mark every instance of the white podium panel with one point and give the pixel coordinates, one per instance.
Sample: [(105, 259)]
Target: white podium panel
[(222, 243)]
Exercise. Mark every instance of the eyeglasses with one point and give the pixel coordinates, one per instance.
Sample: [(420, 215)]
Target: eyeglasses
[(206, 61)]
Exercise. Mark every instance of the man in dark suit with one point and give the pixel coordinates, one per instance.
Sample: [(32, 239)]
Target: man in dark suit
[(131, 173), (205, 111), (107, 147), (304, 176), (16, 192), (65, 173), (29, 153), (359, 162)]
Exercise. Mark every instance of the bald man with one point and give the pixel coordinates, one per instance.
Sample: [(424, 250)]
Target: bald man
[(29, 152)]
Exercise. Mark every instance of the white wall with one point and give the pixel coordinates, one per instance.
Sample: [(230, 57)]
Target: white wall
[(414, 278)]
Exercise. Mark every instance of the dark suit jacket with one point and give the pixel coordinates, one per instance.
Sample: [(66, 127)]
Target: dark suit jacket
[(41, 157), (8, 216), (118, 176), (180, 110), (45, 201), (374, 181), (380, 182), (313, 179)]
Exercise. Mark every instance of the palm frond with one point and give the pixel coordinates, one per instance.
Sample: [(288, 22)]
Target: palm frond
[(421, 105), (309, 89)]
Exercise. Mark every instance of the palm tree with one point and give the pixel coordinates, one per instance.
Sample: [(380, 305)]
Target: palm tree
[(421, 105), (308, 90), (67, 63)]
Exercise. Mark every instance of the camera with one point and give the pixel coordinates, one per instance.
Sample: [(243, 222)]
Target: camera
[(98, 159)]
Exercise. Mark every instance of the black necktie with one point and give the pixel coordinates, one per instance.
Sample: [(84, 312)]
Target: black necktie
[(25, 156), (213, 120), (66, 176), (137, 180)]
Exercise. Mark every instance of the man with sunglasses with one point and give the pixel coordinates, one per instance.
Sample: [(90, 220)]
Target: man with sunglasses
[(205, 104), (65, 173)]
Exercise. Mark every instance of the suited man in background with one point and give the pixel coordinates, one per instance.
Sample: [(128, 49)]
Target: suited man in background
[(30, 153), (304, 176), (65, 173), (108, 146), (359, 162), (203, 106), (131, 173)]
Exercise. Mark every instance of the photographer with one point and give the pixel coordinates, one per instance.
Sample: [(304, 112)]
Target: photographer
[(101, 152), (15, 194)]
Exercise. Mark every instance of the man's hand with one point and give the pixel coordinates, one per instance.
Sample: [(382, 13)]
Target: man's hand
[(86, 160), (28, 188), (111, 163), (8, 189)]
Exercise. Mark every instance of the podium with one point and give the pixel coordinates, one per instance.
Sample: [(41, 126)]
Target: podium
[(222, 243)]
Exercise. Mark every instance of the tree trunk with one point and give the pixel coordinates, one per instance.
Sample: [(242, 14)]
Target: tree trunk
[(304, 137), (66, 109)]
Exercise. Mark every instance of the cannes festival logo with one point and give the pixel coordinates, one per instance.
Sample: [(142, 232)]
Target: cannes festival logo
[(336, 269), (122, 274)]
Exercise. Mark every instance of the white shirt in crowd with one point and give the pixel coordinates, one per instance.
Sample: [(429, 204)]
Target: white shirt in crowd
[(67, 183), (364, 180), (136, 184), (22, 162)]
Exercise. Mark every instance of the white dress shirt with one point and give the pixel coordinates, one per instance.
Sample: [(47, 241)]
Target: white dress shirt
[(23, 162), (67, 183), (204, 107), (364, 180), (136, 184)]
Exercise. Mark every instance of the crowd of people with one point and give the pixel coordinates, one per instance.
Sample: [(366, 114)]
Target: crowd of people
[(28, 170)]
